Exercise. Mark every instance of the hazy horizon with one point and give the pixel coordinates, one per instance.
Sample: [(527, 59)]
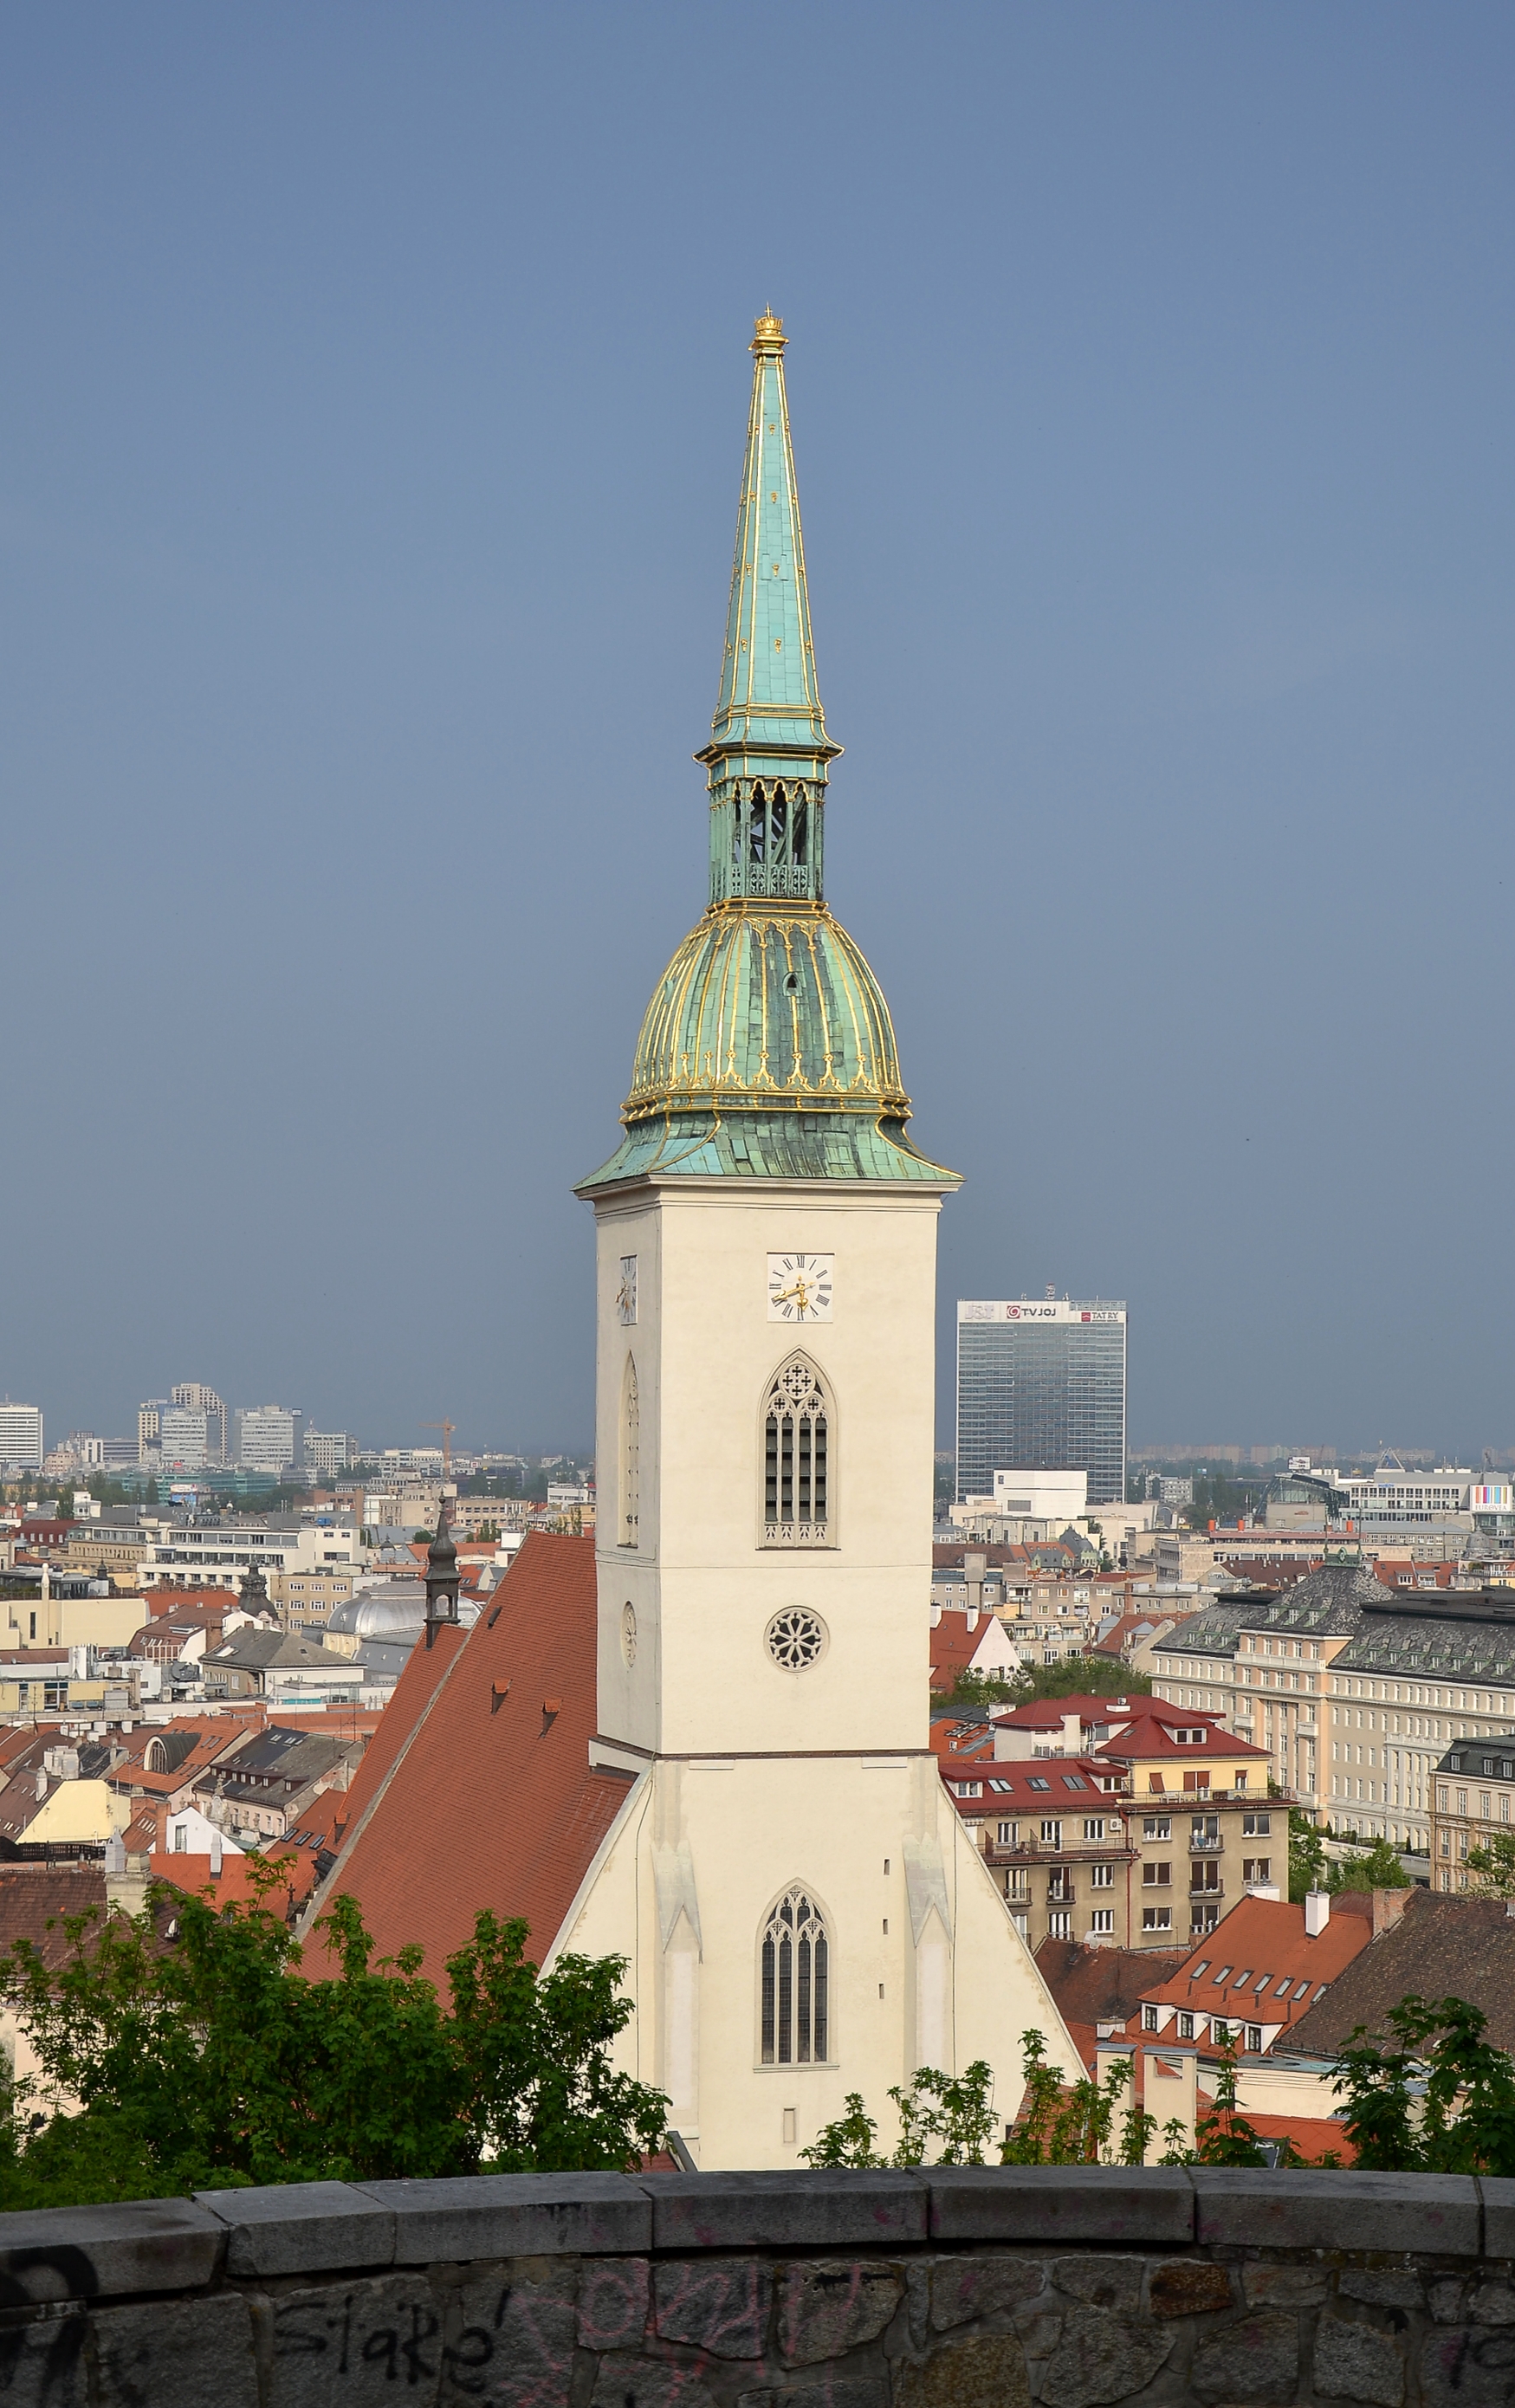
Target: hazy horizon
[(373, 426)]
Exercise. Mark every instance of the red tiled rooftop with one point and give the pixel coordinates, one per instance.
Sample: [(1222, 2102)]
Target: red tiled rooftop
[(489, 1798), (1264, 1939)]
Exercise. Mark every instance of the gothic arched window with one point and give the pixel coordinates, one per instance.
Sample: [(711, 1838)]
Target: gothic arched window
[(631, 1458), (795, 1974), (797, 1440)]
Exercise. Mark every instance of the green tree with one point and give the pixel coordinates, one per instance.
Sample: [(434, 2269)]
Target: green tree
[(1080, 1676), (212, 2060), (1224, 2137), (1433, 2096), (952, 2116), (1374, 1868), (972, 1688), (1493, 1867), (1307, 1855)]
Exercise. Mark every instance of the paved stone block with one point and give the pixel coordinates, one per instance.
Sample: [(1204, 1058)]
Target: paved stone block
[(300, 2229), (1061, 2203), (1100, 2282), (648, 2383), (1285, 2286), (613, 2295), (837, 2392), (963, 2288), (1188, 2286), (719, 2304), (175, 2354), (42, 2364), (510, 2344), (1358, 2362), (1257, 2360), (1304, 2210), (1397, 2288), (94, 2253), (988, 2372), (826, 2209), (1491, 2303), (1039, 2334), (350, 2345), (1103, 2357), (831, 2305), (1498, 2194), (1444, 2295), (1468, 2366), (514, 2216)]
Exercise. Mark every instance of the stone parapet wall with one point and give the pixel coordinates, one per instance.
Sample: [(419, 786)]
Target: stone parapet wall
[(968, 2287)]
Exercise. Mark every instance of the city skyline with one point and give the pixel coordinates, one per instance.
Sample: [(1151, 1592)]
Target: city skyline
[(365, 533)]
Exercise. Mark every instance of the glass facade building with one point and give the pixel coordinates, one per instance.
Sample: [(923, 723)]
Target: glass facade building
[(1041, 1388)]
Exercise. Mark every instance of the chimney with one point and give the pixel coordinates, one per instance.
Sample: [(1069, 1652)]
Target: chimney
[(1316, 1913), (215, 1856), (1388, 1906)]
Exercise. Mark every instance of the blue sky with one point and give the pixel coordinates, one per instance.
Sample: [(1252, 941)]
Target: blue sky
[(369, 447)]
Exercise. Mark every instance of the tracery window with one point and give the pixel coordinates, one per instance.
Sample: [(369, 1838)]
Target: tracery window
[(631, 1458), (797, 1439), (795, 1978)]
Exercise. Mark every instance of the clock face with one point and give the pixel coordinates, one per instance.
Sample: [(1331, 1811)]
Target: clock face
[(799, 1288), (626, 1292)]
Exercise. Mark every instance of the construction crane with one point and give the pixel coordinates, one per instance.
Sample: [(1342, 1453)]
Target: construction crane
[(446, 1429)]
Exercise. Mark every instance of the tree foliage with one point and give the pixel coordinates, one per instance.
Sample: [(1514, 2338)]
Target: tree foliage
[(212, 2061), (1307, 1855), (1374, 1868), (1080, 1676), (1493, 1868), (1432, 2096)]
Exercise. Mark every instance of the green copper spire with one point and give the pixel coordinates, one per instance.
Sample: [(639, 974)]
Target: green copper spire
[(768, 747), (767, 1051)]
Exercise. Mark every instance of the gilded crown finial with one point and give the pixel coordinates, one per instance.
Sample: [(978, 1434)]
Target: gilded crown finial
[(768, 333)]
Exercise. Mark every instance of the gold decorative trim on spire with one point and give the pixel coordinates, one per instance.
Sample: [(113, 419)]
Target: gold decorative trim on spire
[(768, 334)]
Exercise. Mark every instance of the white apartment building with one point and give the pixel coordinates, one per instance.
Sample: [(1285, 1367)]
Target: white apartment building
[(20, 1437), (269, 1436), (1355, 1691), (193, 1556), (329, 1451), (183, 1438), (1040, 1496), (195, 1397), (1394, 1499)]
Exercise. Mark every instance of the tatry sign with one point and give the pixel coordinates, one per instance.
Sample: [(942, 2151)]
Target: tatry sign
[(1022, 1308)]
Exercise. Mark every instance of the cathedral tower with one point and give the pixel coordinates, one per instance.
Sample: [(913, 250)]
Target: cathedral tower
[(804, 1913)]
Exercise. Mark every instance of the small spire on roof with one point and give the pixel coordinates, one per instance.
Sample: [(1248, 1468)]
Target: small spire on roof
[(441, 1576)]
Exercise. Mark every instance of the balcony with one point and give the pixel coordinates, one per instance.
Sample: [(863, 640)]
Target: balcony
[(1205, 1845), (1201, 1896)]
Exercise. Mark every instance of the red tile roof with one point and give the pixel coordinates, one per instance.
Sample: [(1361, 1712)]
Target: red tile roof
[(1046, 1713), (1311, 2135), (1056, 1785), (489, 1799), (953, 1645), (1259, 1950), (235, 1880)]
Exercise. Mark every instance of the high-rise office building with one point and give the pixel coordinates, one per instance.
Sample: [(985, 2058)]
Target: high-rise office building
[(197, 1399), (269, 1436), (21, 1435), (1041, 1388)]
